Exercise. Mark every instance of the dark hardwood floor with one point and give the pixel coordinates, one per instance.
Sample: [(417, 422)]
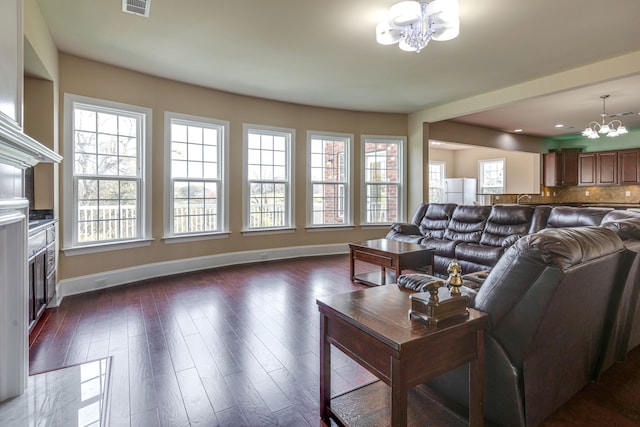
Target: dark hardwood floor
[(238, 346)]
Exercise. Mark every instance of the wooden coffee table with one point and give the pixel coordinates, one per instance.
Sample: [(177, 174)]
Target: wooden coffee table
[(373, 328), (388, 254)]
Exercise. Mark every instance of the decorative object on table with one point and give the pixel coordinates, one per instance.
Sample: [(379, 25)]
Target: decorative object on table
[(437, 305), (455, 277)]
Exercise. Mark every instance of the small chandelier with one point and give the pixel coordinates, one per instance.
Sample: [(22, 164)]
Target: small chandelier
[(413, 24), (613, 128)]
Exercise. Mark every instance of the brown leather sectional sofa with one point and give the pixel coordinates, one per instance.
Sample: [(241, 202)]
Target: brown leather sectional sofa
[(562, 299), (477, 236)]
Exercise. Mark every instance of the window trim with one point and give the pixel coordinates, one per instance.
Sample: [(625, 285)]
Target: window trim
[(70, 244), (223, 199), (443, 166), (348, 206), (504, 174), (402, 174), (290, 205)]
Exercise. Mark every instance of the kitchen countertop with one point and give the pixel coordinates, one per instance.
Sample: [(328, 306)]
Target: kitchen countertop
[(36, 225)]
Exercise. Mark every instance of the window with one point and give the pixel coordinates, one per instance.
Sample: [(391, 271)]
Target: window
[(329, 179), (195, 171), (107, 169), (268, 172), (383, 179), (491, 176), (436, 182)]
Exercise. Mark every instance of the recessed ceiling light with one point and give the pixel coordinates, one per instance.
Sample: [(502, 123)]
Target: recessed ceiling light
[(517, 130), (559, 125), (437, 142)]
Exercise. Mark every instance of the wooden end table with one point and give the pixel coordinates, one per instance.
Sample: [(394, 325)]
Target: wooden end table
[(372, 327), (388, 254)]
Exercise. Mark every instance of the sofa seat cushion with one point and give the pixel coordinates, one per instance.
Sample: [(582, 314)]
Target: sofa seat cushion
[(479, 254), (467, 223), (442, 247)]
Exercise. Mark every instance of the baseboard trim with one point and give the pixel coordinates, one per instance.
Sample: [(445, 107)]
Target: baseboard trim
[(108, 279)]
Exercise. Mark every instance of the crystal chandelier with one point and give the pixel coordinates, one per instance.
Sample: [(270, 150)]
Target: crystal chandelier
[(413, 24), (613, 128)]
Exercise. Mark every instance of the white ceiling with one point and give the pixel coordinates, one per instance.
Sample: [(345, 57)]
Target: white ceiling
[(324, 53)]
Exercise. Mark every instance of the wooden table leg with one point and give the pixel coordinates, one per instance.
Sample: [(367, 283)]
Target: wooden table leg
[(476, 388), (398, 394), (351, 265), (325, 371)]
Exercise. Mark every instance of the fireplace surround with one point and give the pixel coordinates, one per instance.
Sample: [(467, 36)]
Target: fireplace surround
[(18, 151)]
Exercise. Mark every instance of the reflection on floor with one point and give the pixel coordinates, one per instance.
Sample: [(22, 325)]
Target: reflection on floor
[(72, 396)]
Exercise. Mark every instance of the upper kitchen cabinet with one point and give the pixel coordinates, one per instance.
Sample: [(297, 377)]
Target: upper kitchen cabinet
[(561, 167), (629, 165), (599, 168), (11, 68)]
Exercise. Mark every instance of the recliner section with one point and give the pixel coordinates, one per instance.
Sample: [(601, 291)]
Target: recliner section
[(549, 310)]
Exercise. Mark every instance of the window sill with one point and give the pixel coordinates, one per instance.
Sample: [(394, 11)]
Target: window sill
[(183, 238), (313, 228), (268, 231), (106, 247), (377, 225)]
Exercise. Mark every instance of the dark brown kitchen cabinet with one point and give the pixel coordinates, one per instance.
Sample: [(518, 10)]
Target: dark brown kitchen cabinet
[(37, 285), (587, 167), (629, 164), (42, 270), (600, 168), (561, 167), (607, 168)]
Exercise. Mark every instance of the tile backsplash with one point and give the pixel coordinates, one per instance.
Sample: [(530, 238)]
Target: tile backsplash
[(615, 195)]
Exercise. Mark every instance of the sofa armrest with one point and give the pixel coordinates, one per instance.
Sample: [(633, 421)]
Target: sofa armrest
[(404, 228), (416, 281), (510, 240)]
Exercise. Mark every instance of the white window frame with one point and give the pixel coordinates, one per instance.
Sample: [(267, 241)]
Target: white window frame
[(290, 137), (222, 226), (347, 199), (443, 170), (481, 185), (401, 141), (71, 244)]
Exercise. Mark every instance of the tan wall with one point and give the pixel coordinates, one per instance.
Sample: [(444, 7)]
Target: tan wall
[(446, 156), (39, 124), (522, 172), (87, 78), (522, 169)]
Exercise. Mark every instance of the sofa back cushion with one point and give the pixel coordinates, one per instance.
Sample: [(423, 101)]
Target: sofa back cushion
[(467, 223), (537, 258), (540, 218), (626, 229), (419, 214), (436, 219), (570, 216), (506, 224)]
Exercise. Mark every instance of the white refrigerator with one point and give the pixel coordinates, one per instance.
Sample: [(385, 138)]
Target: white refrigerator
[(461, 191)]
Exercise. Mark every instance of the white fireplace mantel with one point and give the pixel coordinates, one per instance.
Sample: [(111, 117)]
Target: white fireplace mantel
[(20, 150)]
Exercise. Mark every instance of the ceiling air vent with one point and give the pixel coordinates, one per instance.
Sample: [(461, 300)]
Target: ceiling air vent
[(137, 7)]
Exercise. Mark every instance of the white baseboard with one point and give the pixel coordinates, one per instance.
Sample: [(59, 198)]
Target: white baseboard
[(107, 279)]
